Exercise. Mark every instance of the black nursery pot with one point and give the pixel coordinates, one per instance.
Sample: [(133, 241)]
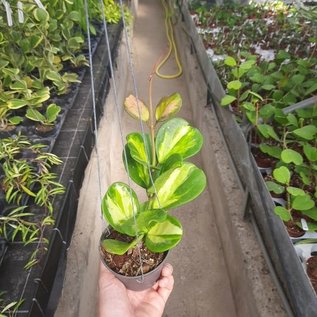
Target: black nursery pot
[(139, 282)]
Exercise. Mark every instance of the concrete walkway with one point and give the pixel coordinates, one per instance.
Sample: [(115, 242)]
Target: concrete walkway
[(202, 287)]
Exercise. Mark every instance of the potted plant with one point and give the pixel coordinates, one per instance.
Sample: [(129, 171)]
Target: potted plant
[(141, 233)]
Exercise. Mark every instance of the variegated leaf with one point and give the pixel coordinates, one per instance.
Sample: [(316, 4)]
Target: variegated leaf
[(136, 108), (165, 235), (119, 205), (176, 136), (116, 246), (147, 219), (178, 186), (168, 106), (138, 172), (139, 151)]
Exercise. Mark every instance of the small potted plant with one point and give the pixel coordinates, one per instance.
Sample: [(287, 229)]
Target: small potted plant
[(140, 234)]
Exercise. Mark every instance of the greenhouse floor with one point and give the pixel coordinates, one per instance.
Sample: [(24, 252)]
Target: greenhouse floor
[(214, 274)]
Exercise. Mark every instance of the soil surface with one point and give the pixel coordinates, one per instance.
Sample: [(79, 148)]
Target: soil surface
[(134, 260), (262, 159), (293, 230)]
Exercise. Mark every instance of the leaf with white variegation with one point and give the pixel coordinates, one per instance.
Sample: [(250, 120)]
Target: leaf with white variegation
[(139, 151), (138, 172), (119, 205), (168, 106), (176, 136), (178, 186), (165, 235), (136, 108)]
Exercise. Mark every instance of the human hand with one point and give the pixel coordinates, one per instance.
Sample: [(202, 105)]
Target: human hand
[(117, 301)]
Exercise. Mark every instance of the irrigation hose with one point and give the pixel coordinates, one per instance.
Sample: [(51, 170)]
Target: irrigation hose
[(171, 46)]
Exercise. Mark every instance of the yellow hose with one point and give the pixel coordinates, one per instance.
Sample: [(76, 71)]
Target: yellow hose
[(171, 44)]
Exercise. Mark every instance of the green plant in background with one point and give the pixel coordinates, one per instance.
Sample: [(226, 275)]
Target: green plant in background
[(175, 181), (28, 176), (16, 223), (8, 309), (281, 73), (48, 118)]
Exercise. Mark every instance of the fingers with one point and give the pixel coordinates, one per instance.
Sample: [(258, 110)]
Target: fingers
[(106, 278), (166, 282), (167, 270)]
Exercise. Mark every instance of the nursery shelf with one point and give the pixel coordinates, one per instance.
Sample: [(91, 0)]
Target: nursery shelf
[(73, 144)]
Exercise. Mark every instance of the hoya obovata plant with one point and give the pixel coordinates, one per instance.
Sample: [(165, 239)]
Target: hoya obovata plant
[(157, 162)]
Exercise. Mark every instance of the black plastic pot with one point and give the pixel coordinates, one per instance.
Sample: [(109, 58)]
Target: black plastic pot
[(139, 282)]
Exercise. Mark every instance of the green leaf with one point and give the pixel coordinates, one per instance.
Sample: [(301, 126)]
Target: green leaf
[(311, 213), (282, 175), (16, 103), (268, 87), (267, 131), (303, 202), (53, 76), (136, 108), (41, 15), (147, 219), (176, 136), (138, 172), (117, 247), (267, 111), (294, 191), (165, 235), (19, 85), (311, 89), (257, 96), (28, 191), (52, 112), (275, 188), (282, 213), (291, 156), (292, 120), (248, 106), (257, 78), (173, 161), (297, 79), (310, 152), (15, 120), (282, 55), (227, 100), (35, 40), (307, 132), (235, 85), (35, 115), (119, 205), (178, 186), (247, 64), (230, 61), (271, 150), (74, 16), (139, 151), (168, 106)]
